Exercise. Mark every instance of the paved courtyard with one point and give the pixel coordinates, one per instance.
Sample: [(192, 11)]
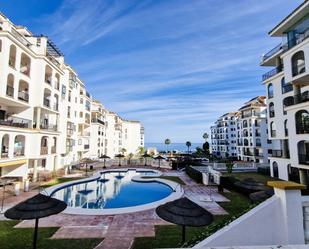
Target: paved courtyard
[(120, 230)]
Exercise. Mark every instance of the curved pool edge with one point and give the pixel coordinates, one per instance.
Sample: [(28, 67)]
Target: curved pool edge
[(177, 192)]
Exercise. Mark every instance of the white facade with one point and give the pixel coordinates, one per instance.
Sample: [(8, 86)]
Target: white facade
[(223, 136), (47, 118), (242, 135), (287, 87)]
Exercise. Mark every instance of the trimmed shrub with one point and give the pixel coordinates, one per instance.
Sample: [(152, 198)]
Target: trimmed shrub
[(194, 174), (264, 170)]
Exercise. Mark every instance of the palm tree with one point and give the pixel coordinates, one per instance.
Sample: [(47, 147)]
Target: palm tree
[(167, 143), (188, 144), (140, 150), (123, 150), (130, 156), (205, 136)]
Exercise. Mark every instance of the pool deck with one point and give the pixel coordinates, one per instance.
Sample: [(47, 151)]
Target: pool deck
[(119, 230)]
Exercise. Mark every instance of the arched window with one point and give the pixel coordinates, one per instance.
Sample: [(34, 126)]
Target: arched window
[(275, 169), (258, 142), (25, 64), (245, 124), (56, 102), (288, 101), (286, 87), (246, 143), (303, 152), (57, 81), (19, 145), (23, 91), (302, 122), (47, 98), (12, 57), (286, 131), (272, 129), (270, 91), (48, 74), (298, 63), (54, 146), (10, 85), (271, 110), (44, 145), (5, 146)]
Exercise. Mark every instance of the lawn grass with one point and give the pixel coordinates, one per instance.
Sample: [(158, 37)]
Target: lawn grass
[(15, 238), (257, 176), (59, 180), (170, 236)]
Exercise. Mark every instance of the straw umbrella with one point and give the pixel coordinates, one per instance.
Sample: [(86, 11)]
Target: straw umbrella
[(86, 161), (159, 158), (185, 213), (145, 156), (36, 207), (119, 156), (104, 157)]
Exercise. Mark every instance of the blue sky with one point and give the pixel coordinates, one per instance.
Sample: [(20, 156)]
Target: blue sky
[(176, 65)]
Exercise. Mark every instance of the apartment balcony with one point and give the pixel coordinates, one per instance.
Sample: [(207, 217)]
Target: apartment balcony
[(10, 91), (84, 134), (248, 153), (297, 99), (53, 149), (269, 58), (86, 146), (280, 154), (24, 96), (44, 150), (303, 159), (97, 120), (287, 88), (16, 122), (55, 107), (19, 152), (49, 127), (272, 73)]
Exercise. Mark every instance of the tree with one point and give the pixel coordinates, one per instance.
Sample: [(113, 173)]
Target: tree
[(140, 150), (188, 144), (130, 156), (167, 142), (206, 148), (123, 150), (205, 136)]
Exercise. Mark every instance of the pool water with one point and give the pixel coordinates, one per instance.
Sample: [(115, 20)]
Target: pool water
[(113, 190)]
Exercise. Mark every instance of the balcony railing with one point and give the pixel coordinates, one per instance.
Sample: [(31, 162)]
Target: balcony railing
[(276, 153), (96, 120), (44, 150), (19, 37), (50, 127), (298, 69), (19, 152), (274, 51), (272, 73), (10, 91), (16, 122), (24, 96), (258, 144), (273, 133), (86, 146), (287, 88), (303, 159), (46, 102), (297, 99), (53, 149)]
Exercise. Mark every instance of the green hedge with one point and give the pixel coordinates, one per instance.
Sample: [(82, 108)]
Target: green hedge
[(264, 170), (194, 174)]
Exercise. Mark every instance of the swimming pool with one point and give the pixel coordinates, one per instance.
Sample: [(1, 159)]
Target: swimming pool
[(114, 190)]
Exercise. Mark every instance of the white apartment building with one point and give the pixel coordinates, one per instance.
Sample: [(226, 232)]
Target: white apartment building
[(287, 87), (47, 118), (242, 135), (223, 136), (252, 142)]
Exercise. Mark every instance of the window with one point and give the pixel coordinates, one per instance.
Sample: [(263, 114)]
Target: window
[(286, 132), (288, 101), (286, 87), (298, 63), (12, 57), (63, 91), (271, 110), (270, 91), (25, 64), (272, 129), (69, 96), (302, 122)]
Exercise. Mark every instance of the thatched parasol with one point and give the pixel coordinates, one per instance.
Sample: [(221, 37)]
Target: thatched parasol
[(145, 156), (119, 156), (185, 213), (104, 157), (159, 157), (86, 161), (36, 207)]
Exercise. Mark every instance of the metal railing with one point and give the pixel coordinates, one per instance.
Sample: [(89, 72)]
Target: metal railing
[(44, 150), (274, 51), (20, 38), (86, 146), (298, 69), (19, 152), (50, 127), (10, 91), (276, 153), (272, 72), (24, 96), (16, 122), (287, 88)]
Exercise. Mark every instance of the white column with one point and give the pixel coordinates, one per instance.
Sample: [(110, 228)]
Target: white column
[(35, 170)]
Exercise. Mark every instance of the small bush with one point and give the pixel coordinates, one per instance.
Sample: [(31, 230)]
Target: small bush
[(194, 174)]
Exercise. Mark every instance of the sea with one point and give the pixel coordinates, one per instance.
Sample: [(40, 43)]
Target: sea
[(181, 147)]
